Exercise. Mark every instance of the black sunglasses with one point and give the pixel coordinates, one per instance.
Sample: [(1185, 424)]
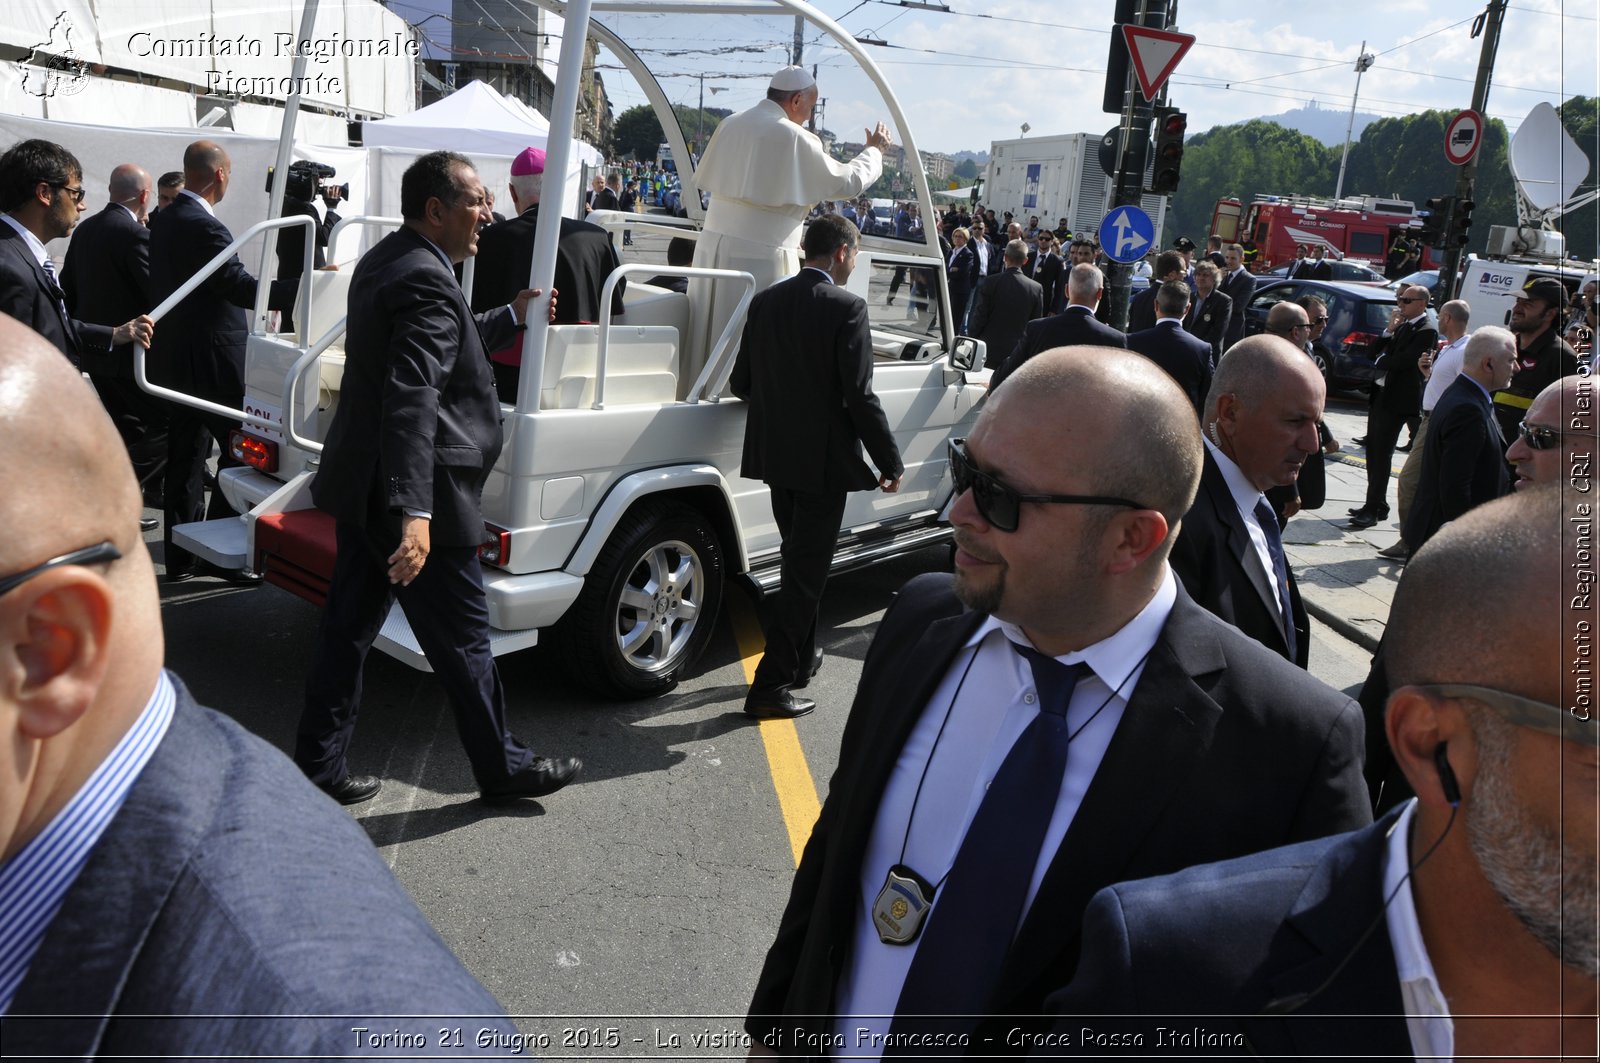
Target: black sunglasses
[(1000, 505), (1539, 438), (77, 194), (89, 555)]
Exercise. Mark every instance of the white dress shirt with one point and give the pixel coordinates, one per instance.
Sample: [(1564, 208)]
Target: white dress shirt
[(985, 702), (1245, 499), (1446, 367), (1428, 1018)]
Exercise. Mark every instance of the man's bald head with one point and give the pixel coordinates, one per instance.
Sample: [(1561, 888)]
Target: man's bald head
[(1254, 369), (1158, 465), (1285, 317), (127, 182), (206, 170), (1481, 601)]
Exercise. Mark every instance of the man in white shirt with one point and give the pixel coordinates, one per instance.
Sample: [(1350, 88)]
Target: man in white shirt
[(1441, 370), (946, 874), (1460, 926), (764, 171)]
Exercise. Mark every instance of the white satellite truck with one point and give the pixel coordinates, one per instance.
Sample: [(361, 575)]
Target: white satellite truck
[(617, 517), (1547, 168)]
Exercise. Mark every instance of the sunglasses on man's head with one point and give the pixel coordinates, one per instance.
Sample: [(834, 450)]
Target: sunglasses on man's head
[(1538, 437), (1000, 505)]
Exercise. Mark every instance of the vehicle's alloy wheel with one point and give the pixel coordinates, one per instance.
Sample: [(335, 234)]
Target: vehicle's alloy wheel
[(649, 604)]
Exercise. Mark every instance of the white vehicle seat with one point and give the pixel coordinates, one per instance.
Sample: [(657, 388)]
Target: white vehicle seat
[(330, 296), (641, 365), (648, 304)]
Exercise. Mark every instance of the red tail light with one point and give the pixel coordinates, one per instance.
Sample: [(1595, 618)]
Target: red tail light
[(257, 453), (498, 549), (1364, 339)]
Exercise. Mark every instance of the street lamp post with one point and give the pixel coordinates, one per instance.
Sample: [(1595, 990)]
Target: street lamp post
[(1363, 63)]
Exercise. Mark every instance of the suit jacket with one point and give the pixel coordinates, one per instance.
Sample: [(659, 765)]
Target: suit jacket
[(1214, 558), (1142, 309), (28, 294), (1073, 326), (606, 199), (1223, 750), (1209, 319), (227, 887), (418, 421), (805, 368), (107, 280), (585, 257), (1396, 355), (1238, 287), (1319, 270), (199, 346), (1186, 358), (1227, 939), (1048, 274), (1006, 303), (1463, 463), (962, 269)]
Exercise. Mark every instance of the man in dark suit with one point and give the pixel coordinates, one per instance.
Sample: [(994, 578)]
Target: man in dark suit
[(1238, 284), (1186, 358), (1299, 323), (805, 368), (413, 440), (1142, 307), (1398, 399), (42, 194), (201, 351), (1260, 424), (606, 197), (1420, 937), (585, 257), (1211, 311), (136, 825), (1046, 267), (1318, 269), (1061, 602), (1463, 463), (1074, 326), (106, 279), (1007, 301)]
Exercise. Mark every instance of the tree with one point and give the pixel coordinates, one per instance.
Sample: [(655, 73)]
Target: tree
[(966, 170), (1257, 157), (1581, 117), (637, 131)]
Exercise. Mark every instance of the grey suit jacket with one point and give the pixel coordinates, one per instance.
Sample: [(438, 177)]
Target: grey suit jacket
[(1007, 301), (228, 888), (1224, 749)]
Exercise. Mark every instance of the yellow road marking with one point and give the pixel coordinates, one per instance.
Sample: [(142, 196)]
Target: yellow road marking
[(791, 776)]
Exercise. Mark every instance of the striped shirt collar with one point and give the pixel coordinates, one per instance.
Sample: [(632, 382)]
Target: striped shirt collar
[(35, 881)]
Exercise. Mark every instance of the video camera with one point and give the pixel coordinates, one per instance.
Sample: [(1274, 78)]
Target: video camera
[(308, 179)]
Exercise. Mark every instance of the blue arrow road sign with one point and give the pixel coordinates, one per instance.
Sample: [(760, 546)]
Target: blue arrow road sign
[(1126, 234)]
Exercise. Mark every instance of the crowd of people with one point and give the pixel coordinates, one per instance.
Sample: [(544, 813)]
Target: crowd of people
[(1087, 780)]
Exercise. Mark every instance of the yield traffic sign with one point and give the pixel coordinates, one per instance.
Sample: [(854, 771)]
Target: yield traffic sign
[(1155, 54)]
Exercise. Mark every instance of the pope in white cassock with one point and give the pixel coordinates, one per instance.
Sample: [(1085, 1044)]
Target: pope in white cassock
[(764, 172)]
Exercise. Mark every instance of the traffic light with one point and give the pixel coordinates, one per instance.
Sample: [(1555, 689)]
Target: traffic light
[(1437, 224), (1461, 223), (1171, 124)]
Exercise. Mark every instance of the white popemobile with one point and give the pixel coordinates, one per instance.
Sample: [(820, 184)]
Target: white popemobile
[(617, 511)]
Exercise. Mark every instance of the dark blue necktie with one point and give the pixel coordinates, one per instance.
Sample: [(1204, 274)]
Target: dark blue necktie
[(1280, 571), (976, 912)]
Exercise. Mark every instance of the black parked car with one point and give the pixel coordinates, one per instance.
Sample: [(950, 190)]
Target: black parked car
[(1357, 315), (1342, 271)]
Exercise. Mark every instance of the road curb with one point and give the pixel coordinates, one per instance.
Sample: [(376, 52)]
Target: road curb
[(1342, 625)]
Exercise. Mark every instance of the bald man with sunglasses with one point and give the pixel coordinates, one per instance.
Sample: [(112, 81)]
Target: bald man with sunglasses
[(958, 845)]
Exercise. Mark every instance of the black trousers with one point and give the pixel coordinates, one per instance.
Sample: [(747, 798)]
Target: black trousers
[(189, 437), (1383, 432), (141, 421), (448, 613), (809, 523)]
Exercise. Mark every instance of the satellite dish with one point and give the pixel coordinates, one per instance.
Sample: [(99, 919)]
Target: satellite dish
[(1546, 162)]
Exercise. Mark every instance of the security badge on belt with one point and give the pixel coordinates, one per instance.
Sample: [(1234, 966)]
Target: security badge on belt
[(901, 906)]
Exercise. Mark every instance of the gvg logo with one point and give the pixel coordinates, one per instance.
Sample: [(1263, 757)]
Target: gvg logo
[(1496, 280), (53, 67)]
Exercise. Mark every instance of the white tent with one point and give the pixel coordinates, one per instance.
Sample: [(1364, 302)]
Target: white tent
[(477, 120)]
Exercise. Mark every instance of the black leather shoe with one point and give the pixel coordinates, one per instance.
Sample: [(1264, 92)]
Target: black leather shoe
[(805, 679), (1366, 519), (1407, 448), (1398, 552), (148, 524), (354, 789), (1360, 441), (781, 706), (544, 776), (182, 575)]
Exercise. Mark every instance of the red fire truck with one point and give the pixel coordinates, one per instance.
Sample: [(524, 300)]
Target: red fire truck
[(1362, 228)]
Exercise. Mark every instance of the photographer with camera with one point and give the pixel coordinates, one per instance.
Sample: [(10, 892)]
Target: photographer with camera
[(307, 180)]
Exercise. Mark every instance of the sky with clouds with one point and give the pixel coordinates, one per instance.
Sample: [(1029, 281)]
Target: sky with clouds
[(982, 70)]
